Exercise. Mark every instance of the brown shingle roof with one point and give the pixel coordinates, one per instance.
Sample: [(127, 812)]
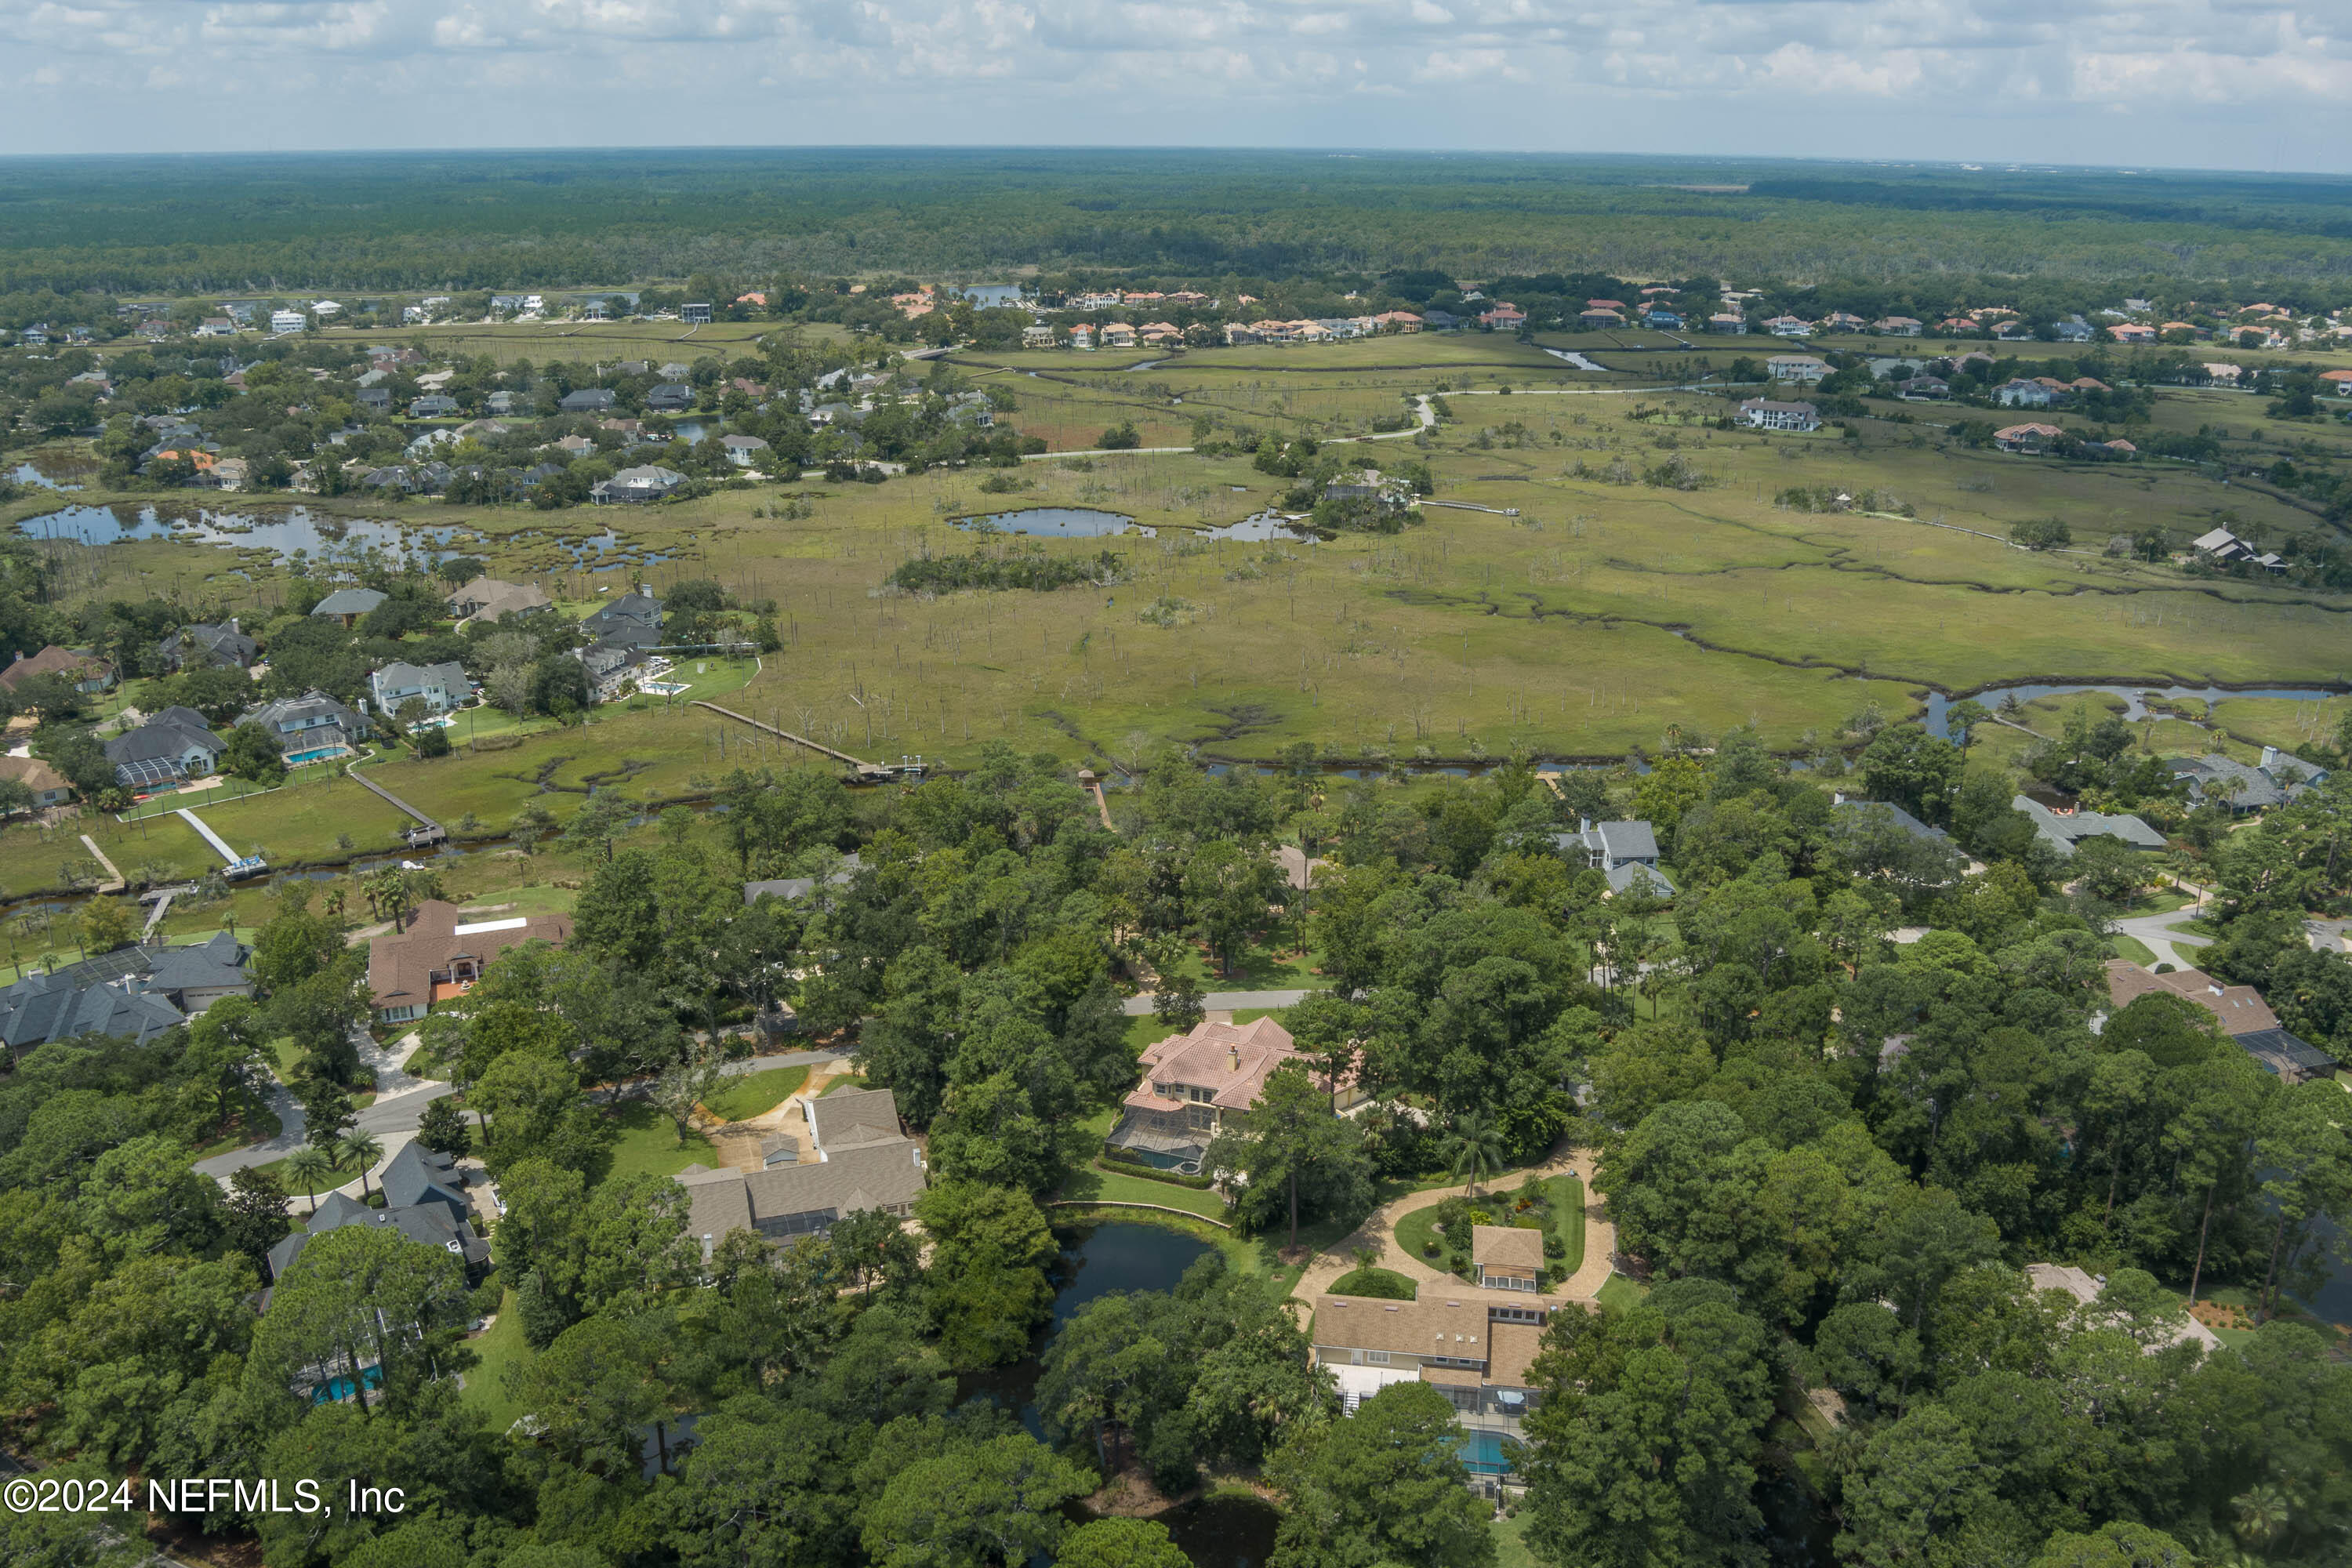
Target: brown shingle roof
[(33, 774), (1446, 1325), (401, 967), (2239, 1009), (1507, 1246), (54, 660)]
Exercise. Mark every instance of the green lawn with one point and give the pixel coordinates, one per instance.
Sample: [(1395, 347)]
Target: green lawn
[(846, 1080), (647, 1144), (340, 1174), (1095, 1183), (754, 1094), (257, 1123), (2123, 945), (501, 1347), (1618, 1293), (1511, 1541), (1418, 1230)]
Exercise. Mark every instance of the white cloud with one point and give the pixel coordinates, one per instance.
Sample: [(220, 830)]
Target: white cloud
[(2091, 80)]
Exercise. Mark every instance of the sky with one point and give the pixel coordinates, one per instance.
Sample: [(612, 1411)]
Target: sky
[(2179, 83)]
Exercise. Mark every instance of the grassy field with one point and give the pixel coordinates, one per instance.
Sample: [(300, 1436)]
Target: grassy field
[(647, 1144), (755, 1093), (500, 1347), (1582, 628), (1098, 1183)]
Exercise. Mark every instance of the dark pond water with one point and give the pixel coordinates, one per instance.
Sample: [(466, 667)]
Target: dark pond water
[(1223, 1531), (31, 474), (1059, 522), (2133, 696)]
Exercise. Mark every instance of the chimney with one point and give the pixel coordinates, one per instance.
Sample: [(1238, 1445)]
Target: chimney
[(2270, 757), (1584, 825), (1233, 1057)]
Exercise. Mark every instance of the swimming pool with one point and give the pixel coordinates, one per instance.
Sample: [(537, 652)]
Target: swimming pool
[(336, 1390), (1482, 1452), (319, 754)]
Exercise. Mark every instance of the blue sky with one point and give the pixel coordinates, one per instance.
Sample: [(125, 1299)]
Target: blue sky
[(2185, 83)]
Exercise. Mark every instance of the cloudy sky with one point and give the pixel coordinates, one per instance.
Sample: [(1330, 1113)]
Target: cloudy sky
[(2203, 83)]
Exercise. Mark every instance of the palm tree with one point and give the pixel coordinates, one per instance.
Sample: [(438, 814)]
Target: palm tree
[(362, 1149), (308, 1166), (1475, 1144)]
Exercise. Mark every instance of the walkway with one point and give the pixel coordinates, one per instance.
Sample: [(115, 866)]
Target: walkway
[(221, 1167), (428, 832), (114, 884), (1379, 1232), (1140, 1003), (865, 769), (2161, 934)]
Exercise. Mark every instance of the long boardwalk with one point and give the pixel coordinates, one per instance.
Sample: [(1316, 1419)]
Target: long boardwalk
[(429, 832), (865, 769)]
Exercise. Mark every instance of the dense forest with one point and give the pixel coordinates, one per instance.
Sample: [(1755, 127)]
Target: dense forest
[(453, 221), (1831, 1152)]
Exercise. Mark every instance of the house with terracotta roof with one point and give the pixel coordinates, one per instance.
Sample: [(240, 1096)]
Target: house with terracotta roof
[(1397, 321), (2339, 381), (1896, 326), (1507, 317), (1118, 334), (1843, 321), (2031, 439), (442, 952), (2131, 332), (1597, 320), (1193, 1082), (1727, 323)]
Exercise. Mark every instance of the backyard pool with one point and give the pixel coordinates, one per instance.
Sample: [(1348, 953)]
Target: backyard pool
[(1482, 1452), (336, 1390)]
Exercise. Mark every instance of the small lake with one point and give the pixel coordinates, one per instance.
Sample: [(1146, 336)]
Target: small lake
[(990, 296), (2133, 696), (297, 528), (1055, 521), (1260, 528)]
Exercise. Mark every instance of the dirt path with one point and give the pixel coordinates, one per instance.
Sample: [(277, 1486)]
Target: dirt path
[(1380, 1232)]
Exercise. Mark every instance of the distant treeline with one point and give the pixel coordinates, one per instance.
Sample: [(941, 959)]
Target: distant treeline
[(457, 221), (1031, 569)]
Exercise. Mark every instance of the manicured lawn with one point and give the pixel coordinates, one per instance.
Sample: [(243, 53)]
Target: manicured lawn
[(1618, 1293), (341, 1174), (501, 1347), (1386, 1284), (1096, 1183), (755, 1093), (2123, 945), (257, 1123), (1418, 1230), (1511, 1541), (846, 1080), (647, 1144)]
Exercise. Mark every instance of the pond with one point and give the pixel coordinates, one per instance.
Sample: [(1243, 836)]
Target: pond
[(2133, 696), (1059, 522), (315, 534), (1259, 528)]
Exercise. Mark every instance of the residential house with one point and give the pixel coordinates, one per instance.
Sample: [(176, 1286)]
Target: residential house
[(1193, 1082), (1037, 336), (1398, 321), (1763, 414), (431, 1224), (2030, 439), (2221, 547), (1920, 388), (2026, 395), (1844, 321), (1507, 317), (201, 647), (859, 1161), (48, 786), (1475, 1346), (695, 315), (1658, 316), (490, 599), (2074, 330), (2063, 829), (2278, 779), (309, 727), (649, 482), (215, 327), (1626, 853), (1897, 326), (1507, 1257), (373, 399), (614, 669), (1788, 327), (284, 322), (1598, 320), (1727, 321), (669, 397), (2089, 1289), (634, 618), (2337, 380), (792, 889), (442, 954), (2239, 1009), (87, 673), (1082, 336), (348, 605), (1118, 335), (1855, 809), (587, 400), (134, 993), (431, 405), (1440, 320), (1796, 367), (174, 744), (440, 686), (748, 451), (2131, 332)]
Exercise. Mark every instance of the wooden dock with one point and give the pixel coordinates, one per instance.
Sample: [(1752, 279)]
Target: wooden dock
[(427, 831), (871, 773)]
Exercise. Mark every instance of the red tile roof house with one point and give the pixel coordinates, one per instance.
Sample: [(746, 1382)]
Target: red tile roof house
[(2341, 380), (442, 954), (1191, 1082), (2026, 437)]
